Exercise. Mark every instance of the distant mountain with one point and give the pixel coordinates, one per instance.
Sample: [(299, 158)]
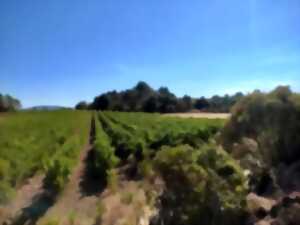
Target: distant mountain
[(46, 108)]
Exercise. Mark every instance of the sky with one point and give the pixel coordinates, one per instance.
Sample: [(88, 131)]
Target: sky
[(58, 52)]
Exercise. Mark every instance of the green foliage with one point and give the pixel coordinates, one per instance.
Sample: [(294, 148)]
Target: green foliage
[(143, 98), (146, 168), (199, 177), (105, 158), (198, 187), (8, 103), (123, 140), (272, 120), (222, 103), (6, 192), (59, 167), (72, 218), (100, 210), (112, 179), (203, 181), (127, 198), (40, 141), (151, 131), (82, 105), (51, 222), (4, 169)]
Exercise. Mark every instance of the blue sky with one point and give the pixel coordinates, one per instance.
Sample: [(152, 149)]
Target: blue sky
[(57, 52)]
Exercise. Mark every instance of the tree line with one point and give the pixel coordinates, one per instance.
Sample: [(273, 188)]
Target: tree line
[(143, 98), (9, 103)]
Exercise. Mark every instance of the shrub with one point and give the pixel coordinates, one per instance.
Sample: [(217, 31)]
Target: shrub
[(51, 222), (6, 192), (272, 120), (60, 166), (4, 169), (112, 179), (202, 186), (127, 198)]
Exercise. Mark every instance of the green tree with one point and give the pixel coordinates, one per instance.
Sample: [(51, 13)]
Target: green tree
[(8, 103), (82, 105), (201, 103)]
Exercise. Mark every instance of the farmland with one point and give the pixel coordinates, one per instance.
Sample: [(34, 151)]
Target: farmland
[(34, 142), (125, 146), (200, 115), (109, 167)]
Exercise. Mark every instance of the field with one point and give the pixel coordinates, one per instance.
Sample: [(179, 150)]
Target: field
[(127, 152), (200, 115), (34, 142)]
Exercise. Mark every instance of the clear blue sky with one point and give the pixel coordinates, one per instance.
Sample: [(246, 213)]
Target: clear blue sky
[(57, 52)]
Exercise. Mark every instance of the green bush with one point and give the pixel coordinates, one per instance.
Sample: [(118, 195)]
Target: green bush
[(4, 169), (197, 190), (6, 192), (59, 167), (272, 120)]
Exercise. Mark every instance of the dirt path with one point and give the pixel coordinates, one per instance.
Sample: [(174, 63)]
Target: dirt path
[(23, 199), (30, 202), (84, 201), (129, 204), (76, 202)]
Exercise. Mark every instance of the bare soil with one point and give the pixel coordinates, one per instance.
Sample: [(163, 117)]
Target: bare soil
[(129, 204), (31, 202), (74, 203)]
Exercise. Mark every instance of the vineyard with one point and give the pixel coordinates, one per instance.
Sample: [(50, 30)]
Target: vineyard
[(33, 142), (136, 149)]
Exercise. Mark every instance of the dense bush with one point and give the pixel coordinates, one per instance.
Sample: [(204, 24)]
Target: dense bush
[(203, 186), (272, 120), (82, 105), (8, 103)]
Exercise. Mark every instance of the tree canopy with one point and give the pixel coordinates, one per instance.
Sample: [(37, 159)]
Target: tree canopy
[(143, 98), (9, 103)]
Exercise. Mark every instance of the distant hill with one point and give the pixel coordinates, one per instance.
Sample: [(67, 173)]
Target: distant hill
[(46, 108)]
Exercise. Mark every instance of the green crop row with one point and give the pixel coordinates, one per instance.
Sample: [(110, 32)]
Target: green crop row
[(105, 158), (47, 142), (155, 131), (124, 140)]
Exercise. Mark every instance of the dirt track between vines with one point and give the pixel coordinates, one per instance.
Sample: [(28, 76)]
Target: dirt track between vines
[(75, 202)]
